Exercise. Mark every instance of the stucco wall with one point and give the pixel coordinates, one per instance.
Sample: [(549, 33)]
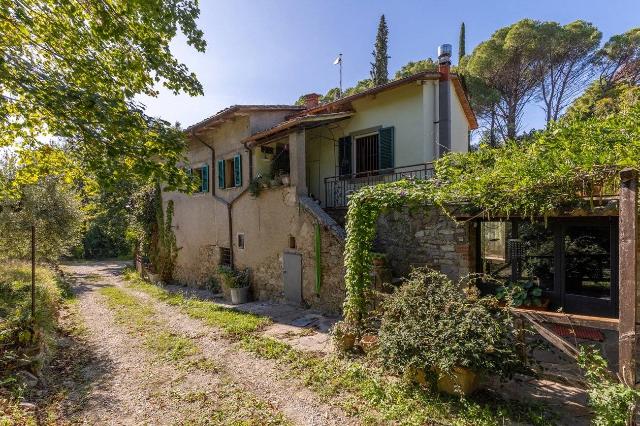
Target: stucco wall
[(459, 125), (267, 222)]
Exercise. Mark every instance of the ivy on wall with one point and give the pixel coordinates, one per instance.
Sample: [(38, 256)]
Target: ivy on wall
[(551, 174)]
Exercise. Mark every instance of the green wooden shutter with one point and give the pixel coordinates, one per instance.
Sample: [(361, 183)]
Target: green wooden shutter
[(204, 186), (237, 170), (385, 153), (221, 174), (344, 156)]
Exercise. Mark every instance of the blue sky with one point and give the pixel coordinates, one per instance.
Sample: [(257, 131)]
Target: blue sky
[(268, 51)]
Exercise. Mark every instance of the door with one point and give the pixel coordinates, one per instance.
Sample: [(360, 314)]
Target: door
[(590, 268), (292, 276)]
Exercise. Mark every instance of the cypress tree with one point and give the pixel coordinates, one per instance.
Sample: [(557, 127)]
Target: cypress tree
[(461, 44), (379, 72)]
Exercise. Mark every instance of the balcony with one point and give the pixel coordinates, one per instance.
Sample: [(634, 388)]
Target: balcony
[(338, 188)]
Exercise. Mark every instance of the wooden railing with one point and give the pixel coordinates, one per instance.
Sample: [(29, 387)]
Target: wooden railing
[(338, 188)]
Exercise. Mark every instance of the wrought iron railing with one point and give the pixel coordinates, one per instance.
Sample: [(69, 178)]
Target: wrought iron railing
[(338, 188)]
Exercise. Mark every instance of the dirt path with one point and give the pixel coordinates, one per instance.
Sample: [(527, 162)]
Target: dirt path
[(130, 385)]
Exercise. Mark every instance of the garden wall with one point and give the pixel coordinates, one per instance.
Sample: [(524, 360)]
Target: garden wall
[(426, 237)]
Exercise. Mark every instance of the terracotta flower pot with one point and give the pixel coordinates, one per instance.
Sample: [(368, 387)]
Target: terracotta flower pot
[(369, 342), (417, 375), (460, 381), (346, 342)]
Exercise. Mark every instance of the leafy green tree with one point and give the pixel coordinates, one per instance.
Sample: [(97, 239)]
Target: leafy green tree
[(411, 68), (598, 102), (360, 86), (74, 69), (462, 50), (379, 72), (50, 205), (508, 64), (331, 95), (619, 60), (567, 64)]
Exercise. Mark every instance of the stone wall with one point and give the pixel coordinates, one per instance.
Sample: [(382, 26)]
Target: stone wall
[(426, 237)]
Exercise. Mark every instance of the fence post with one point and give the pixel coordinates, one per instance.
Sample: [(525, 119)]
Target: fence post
[(628, 274)]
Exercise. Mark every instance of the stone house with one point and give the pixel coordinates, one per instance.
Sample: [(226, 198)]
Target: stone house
[(275, 181)]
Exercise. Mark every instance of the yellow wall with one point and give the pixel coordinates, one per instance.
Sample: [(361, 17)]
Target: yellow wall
[(409, 109)]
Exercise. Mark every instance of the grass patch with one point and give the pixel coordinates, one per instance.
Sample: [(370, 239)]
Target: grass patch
[(376, 398), (138, 319), (363, 391), (25, 342), (234, 323)]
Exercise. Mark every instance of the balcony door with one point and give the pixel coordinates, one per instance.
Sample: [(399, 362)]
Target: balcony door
[(367, 154)]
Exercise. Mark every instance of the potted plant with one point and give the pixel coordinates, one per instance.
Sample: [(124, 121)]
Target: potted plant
[(237, 282), (522, 294), (369, 342), (379, 259), (344, 336), (429, 325)]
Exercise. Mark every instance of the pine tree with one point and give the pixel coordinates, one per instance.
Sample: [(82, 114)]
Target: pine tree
[(461, 44), (379, 72)]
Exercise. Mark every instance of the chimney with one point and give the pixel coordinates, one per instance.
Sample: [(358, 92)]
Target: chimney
[(444, 100), (311, 100)]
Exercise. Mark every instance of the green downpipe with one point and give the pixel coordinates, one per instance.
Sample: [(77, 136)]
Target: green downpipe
[(318, 260)]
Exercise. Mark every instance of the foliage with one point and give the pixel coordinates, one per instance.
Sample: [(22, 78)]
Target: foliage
[(567, 64), (233, 278), (619, 59), (74, 70), (109, 220), (48, 204), (152, 230), (520, 293), (379, 72), (462, 49), (19, 336), (429, 323), (598, 101), (509, 63), (360, 86), (545, 176), (613, 402), (411, 68)]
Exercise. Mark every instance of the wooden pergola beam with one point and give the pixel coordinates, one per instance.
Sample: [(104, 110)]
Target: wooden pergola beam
[(628, 261)]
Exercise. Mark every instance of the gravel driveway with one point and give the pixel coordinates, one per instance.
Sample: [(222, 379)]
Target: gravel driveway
[(130, 385)]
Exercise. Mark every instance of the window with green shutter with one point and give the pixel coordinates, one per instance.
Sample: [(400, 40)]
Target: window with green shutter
[(237, 170), (344, 156), (221, 174), (201, 177), (386, 148)]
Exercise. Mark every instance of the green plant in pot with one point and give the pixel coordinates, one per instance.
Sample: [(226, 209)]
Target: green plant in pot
[(522, 294), (237, 282), (431, 326), (344, 336), (379, 259)]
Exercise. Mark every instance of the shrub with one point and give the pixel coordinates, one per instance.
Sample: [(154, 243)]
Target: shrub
[(612, 401), (431, 323)]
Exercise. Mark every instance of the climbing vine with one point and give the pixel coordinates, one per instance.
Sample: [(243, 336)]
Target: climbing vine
[(560, 169)]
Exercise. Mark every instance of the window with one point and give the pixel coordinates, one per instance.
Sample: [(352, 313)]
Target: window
[(574, 261), (241, 241), (225, 256), (292, 242), (201, 175), (230, 172), (371, 152)]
